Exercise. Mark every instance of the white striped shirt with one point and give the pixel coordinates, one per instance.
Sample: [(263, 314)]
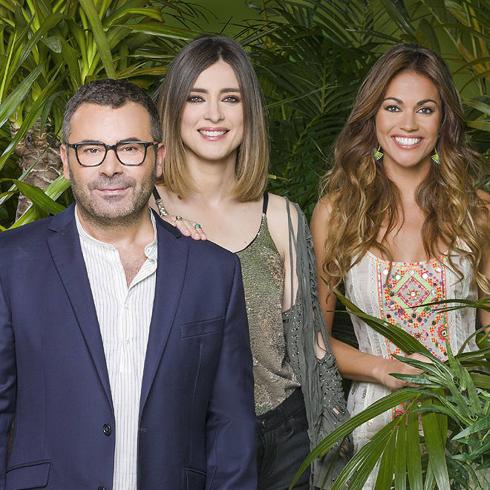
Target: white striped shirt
[(124, 314)]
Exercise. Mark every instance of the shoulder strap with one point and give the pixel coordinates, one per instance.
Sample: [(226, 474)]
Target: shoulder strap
[(265, 203), (156, 194), (162, 211)]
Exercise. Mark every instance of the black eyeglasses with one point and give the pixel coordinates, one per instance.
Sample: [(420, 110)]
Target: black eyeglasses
[(129, 153)]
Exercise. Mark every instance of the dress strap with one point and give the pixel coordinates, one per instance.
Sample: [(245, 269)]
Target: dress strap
[(156, 194), (162, 211), (265, 203)]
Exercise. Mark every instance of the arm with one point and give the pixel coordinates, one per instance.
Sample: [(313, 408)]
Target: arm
[(352, 363), (231, 425), (7, 382), (484, 316), (279, 229)]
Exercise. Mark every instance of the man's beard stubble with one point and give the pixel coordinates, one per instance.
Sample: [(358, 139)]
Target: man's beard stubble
[(126, 216)]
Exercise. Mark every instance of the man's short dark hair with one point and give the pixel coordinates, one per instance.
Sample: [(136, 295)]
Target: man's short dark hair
[(113, 93)]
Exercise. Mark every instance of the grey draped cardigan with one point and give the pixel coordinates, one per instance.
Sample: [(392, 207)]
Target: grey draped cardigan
[(320, 380)]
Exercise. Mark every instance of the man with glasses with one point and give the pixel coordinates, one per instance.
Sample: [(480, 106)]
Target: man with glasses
[(124, 355)]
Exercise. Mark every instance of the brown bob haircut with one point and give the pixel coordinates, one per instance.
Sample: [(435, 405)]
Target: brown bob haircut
[(253, 153)]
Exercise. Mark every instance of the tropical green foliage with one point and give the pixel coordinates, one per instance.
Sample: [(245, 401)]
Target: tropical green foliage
[(310, 66), (48, 49), (318, 52), (441, 439)]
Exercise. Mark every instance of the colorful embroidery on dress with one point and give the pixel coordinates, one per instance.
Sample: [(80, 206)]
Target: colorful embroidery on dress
[(402, 297)]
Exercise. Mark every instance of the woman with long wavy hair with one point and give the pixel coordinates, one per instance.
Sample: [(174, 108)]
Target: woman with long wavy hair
[(401, 222), (215, 175)]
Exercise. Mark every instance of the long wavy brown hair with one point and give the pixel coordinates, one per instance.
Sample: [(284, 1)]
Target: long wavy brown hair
[(362, 199)]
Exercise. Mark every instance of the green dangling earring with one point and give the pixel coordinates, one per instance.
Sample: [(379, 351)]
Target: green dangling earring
[(435, 157), (378, 154)]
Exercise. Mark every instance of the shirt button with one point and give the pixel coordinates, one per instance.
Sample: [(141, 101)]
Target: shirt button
[(107, 429), (101, 488)]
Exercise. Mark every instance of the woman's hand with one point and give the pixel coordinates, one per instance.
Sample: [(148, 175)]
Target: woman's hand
[(186, 227), (387, 366)]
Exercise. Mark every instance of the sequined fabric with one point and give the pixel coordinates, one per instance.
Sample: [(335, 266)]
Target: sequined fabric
[(263, 281)]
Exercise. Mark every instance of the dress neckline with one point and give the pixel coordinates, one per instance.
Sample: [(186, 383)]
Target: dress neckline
[(263, 221), (373, 256)]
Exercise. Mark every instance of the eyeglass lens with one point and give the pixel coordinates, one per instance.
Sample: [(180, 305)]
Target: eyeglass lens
[(93, 154)]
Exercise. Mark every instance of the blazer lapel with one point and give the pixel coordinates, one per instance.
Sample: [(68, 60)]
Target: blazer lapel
[(172, 264), (67, 255)]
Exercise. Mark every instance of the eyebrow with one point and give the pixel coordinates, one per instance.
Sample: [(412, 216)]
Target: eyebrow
[(222, 91), (99, 142), (419, 103)]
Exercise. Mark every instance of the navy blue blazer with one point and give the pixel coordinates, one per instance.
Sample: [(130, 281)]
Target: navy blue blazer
[(196, 421)]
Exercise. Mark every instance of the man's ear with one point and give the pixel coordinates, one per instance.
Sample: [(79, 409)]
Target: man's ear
[(161, 150), (64, 159)]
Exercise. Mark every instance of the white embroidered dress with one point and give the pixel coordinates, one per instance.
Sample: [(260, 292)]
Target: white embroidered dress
[(396, 296)]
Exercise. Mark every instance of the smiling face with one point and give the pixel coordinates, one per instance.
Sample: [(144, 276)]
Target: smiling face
[(212, 117), (408, 121), (111, 193)]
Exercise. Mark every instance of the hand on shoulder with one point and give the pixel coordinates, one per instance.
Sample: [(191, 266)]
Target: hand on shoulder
[(186, 226)]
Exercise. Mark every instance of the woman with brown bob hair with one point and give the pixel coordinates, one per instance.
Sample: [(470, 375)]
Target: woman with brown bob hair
[(401, 222), (215, 175)]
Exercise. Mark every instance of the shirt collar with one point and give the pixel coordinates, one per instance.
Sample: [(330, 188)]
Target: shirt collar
[(150, 249)]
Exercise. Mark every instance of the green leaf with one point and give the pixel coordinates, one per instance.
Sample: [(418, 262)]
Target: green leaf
[(483, 449), (479, 105), (53, 43), (481, 380), (399, 18), (103, 47), (9, 5), (33, 115), (385, 473), (479, 426), (357, 470), (427, 36), (54, 191), (347, 427), (400, 455), (414, 457), (482, 125), (47, 24), (437, 368), (128, 10), (429, 482), (17, 96), (70, 57), (435, 449), (162, 30), (37, 196), (395, 334)]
